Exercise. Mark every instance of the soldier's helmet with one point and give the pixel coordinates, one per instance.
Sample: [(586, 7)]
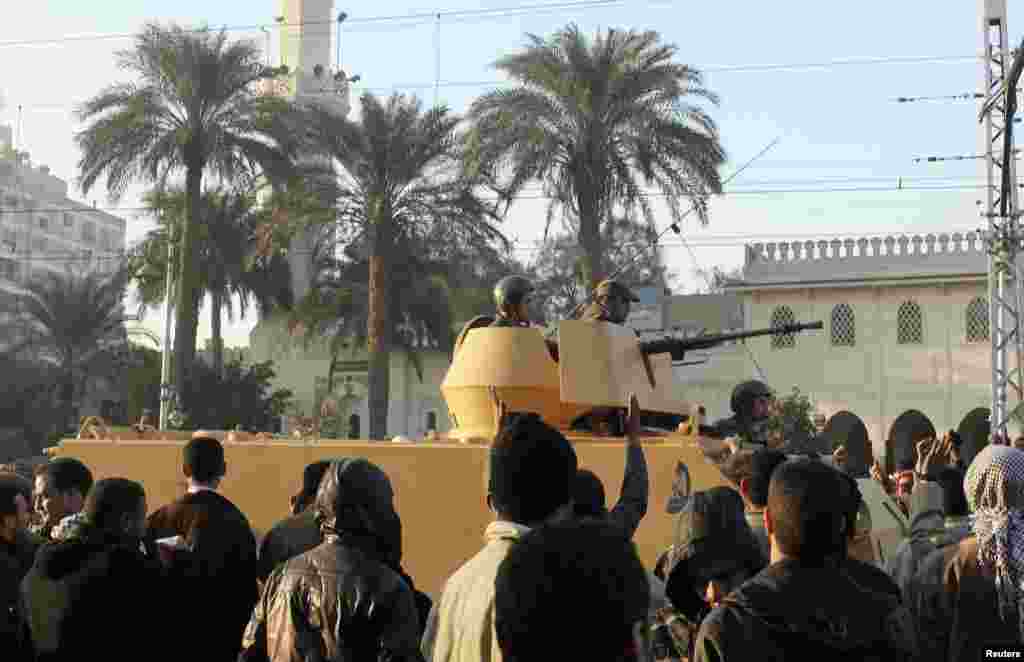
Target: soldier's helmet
[(611, 287), (743, 396), (512, 291)]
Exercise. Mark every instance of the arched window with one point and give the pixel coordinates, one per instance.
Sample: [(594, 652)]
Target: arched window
[(909, 324), (781, 316), (353, 426), (976, 320), (432, 421), (844, 328)]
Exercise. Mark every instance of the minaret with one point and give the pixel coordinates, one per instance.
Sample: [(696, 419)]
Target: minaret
[(305, 48)]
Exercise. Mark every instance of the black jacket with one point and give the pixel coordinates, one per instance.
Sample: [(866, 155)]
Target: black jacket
[(791, 611), (215, 584), (334, 603), (96, 600), (300, 533), (15, 561)]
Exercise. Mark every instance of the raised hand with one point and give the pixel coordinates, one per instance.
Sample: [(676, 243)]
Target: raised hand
[(633, 419), (500, 411)]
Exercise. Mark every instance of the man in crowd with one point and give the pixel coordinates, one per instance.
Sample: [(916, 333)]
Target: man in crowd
[(531, 471), (938, 511), (750, 473), (629, 510), (216, 572), (581, 577), (337, 601), (751, 405), (803, 606), (61, 486), (714, 553), (300, 532), (17, 552), (966, 596), (94, 595)]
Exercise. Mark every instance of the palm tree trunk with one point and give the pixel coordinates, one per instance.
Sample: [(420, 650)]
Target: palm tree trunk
[(590, 242), (67, 394), (216, 304), (378, 338), (184, 330)]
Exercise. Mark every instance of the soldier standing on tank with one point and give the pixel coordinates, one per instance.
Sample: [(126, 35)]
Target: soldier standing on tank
[(751, 405), (612, 301), (512, 299)]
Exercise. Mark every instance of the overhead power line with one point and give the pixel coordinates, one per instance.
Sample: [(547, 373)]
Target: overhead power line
[(966, 96)]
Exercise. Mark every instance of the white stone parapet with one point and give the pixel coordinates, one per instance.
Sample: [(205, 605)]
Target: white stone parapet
[(866, 258)]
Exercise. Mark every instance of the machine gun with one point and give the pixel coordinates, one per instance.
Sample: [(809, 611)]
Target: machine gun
[(678, 347)]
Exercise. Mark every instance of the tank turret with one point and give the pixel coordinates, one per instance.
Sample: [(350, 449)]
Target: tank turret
[(600, 364)]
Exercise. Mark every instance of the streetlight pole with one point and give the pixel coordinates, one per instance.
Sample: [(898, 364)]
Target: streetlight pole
[(165, 357), (266, 33), (341, 19)]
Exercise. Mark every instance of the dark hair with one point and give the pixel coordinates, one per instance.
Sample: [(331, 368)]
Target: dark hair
[(853, 499), (110, 500), (588, 498), (67, 473), (531, 470), (10, 488), (806, 504), (763, 463), (577, 576), (204, 459), (954, 501), (19, 481), (311, 477)]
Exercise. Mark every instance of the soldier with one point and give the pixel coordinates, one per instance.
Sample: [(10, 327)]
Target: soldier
[(611, 303), (512, 298), (751, 406)]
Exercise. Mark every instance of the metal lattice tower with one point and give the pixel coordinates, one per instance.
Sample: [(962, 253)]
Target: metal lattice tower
[(1003, 237)]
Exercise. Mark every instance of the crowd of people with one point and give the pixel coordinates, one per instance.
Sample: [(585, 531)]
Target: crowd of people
[(778, 564)]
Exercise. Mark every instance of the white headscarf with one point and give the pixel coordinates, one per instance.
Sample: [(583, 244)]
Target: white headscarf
[(994, 486)]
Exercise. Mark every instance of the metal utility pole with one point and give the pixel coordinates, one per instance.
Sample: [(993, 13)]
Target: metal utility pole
[(1003, 236), (165, 356)]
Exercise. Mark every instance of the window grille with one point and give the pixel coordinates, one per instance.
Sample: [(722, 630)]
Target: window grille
[(782, 316), (844, 329), (976, 320), (909, 324)]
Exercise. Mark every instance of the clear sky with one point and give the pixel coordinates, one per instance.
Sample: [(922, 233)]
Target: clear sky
[(839, 124)]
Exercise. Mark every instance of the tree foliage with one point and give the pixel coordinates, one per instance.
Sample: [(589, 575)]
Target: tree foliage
[(559, 273), (196, 109), (243, 396), (596, 123), (399, 188)]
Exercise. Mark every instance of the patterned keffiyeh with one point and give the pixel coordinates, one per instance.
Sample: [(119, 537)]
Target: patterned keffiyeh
[(994, 487), (69, 527)]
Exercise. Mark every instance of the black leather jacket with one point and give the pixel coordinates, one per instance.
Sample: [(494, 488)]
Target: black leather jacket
[(334, 603)]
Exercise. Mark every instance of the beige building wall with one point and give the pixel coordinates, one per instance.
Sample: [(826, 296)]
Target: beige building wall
[(303, 369)]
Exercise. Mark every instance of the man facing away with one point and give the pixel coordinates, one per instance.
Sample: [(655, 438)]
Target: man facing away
[(338, 602), (60, 488), (216, 574), (572, 591), (805, 605), (17, 552), (531, 470)]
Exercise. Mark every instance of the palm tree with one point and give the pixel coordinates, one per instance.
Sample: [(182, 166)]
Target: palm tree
[(595, 123), (400, 182), (196, 109), (73, 324), (222, 252)]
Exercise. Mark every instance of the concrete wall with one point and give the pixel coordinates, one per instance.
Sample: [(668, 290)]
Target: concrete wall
[(440, 488)]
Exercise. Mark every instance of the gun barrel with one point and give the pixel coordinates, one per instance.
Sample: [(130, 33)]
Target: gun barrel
[(701, 342)]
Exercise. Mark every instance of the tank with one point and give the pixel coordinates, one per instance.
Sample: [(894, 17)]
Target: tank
[(439, 483), (600, 365)]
